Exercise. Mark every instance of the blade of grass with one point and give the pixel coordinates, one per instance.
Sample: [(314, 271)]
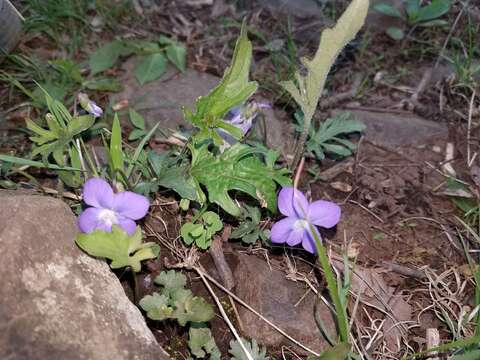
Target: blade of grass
[(33, 163), (116, 152), (139, 149)]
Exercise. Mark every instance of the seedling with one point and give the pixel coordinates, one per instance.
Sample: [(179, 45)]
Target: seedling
[(414, 14)]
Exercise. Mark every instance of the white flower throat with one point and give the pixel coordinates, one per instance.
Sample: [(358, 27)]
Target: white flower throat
[(301, 224), (109, 217)]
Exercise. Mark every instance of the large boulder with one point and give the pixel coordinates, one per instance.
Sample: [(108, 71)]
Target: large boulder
[(56, 302)]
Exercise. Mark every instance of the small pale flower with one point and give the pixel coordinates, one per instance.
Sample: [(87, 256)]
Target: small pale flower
[(109, 208), (89, 106), (300, 215), (242, 117)]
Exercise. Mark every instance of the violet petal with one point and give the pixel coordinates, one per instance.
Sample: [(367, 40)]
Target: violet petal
[(89, 220), (308, 242), (292, 204), (283, 231), (94, 109), (127, 225), (130, 205), (98, 193), (324, 213)]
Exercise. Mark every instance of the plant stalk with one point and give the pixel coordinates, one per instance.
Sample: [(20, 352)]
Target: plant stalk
[(332, 286)]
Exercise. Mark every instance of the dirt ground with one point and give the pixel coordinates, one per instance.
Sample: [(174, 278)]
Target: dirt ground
[(396, 215)]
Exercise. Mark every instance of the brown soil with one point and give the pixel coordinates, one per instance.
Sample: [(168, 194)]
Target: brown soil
[(393, 214)]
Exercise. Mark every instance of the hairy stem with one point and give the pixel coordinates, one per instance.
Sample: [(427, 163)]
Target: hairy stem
[(300, 148)]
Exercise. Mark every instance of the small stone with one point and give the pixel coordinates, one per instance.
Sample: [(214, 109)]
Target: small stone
[(274, 296), (162, 100), (56, 302), (393, 130)]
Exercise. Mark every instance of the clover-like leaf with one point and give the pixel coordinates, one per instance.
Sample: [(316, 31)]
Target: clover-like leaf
[(212, 223), (122, 249), (201, 343), (156, 307), (236, 169), (192, 309), (191, 233)]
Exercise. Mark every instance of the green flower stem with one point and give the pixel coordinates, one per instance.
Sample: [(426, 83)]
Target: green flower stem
[(342, 320)]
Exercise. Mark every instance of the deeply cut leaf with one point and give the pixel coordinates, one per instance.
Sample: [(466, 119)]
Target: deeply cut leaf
[(257, 352), (236, 169), (201, 343), (192, 309), (171, 279), (156, 306)]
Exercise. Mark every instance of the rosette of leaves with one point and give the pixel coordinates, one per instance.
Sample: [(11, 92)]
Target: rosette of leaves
[(415, 13), (240, 169), (257, 352), (175, 302), (330, 137), (250, 230), (58, 139), (123, 250), (201, 232)]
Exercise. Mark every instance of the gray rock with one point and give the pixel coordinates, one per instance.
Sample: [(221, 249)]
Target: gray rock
[(162, 100), (297, 8), (56, 302), (393, 130), (269, 292)]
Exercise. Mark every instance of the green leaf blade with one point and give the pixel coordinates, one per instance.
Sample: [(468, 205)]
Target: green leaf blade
[(105, 57), (150, 68), (177, 55)]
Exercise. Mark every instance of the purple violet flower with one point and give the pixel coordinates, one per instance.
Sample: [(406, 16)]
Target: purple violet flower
[(242, 117), (94, 109), (89, 106), (300, 214), (109, 208)]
